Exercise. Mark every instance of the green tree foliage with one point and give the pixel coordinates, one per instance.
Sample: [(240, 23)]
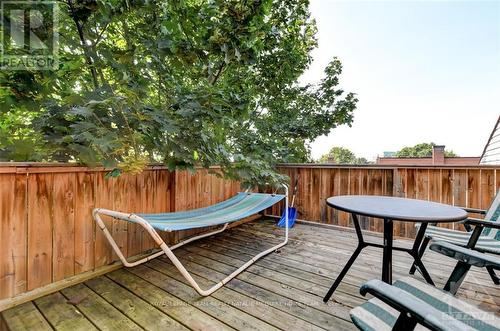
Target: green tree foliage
[(180, 82), (421, 150), (341, 155)]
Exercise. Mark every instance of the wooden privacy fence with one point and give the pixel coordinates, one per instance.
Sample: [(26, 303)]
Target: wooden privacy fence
[(460, 186), (48, 236), (47, 232)]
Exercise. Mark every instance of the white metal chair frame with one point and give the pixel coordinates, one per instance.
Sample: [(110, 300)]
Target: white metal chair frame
[(168, 250)]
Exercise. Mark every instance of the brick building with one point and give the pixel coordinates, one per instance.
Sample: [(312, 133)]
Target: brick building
[(437, 158)]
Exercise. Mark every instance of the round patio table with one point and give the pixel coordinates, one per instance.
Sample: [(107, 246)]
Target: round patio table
[(392, 209)]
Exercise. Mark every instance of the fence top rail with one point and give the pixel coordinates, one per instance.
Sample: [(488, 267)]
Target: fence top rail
[(32, 168), (59, 167), (41, 167), (56, 164), (382, 166)]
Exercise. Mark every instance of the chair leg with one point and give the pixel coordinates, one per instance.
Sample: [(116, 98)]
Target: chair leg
[(421, 252), (457, 277), (404, 323), (493, 275)]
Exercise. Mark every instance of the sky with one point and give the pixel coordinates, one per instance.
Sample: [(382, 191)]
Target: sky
[(423, 71)]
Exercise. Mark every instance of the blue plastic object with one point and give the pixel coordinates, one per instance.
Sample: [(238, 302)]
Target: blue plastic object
[(292, 216), (292, 211)]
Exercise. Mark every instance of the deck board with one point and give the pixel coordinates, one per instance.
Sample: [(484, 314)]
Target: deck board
[(62, 315), (235, 318), (25, 317), (138, 310), (272, 316), (282, 291), (97, 310)]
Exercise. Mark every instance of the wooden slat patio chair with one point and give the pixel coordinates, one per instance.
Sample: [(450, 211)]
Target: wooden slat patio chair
[(413, 305), (485, 237)]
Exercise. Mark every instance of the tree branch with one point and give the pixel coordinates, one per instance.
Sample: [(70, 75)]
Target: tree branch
[(216, 77), (88, 57), (99, 36)]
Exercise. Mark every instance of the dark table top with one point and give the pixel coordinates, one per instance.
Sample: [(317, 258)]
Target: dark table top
[(394, 208)]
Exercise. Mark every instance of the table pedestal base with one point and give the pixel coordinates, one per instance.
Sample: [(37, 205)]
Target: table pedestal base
[(387, 254)]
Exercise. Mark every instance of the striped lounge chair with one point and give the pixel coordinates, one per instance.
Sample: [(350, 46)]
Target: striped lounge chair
[(485, 237), (410, 304), (242, 205)]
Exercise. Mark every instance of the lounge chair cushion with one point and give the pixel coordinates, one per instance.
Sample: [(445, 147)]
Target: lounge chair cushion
[(375, 315)]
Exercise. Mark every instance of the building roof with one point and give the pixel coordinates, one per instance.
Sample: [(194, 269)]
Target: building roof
[(491, 152)]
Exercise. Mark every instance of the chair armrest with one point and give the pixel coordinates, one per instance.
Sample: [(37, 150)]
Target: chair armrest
[(474, 210), (466, 255), (479, 222), (405, 303)]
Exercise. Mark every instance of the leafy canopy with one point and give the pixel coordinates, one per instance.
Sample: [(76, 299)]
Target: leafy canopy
[(421, 150), (342, 155), (185, 83)]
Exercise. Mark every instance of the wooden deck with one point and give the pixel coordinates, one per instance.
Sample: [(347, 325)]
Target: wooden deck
[(282, 291)]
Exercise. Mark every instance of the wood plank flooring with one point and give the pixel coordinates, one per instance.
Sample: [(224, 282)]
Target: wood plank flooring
[(282, 291)]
